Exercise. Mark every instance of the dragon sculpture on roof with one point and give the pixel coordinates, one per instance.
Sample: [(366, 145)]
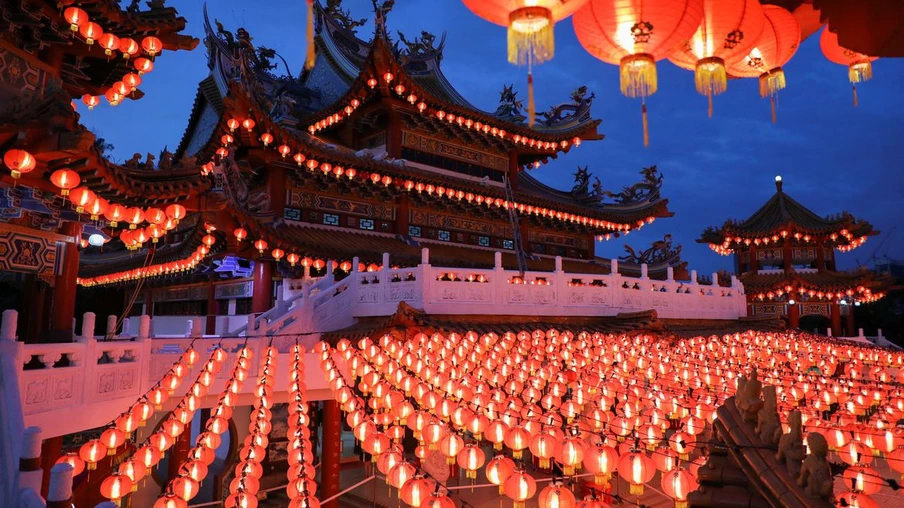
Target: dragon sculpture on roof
[(659, 251)]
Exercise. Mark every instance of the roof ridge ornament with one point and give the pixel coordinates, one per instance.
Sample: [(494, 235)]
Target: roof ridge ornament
[(778, 183), (380, 14)]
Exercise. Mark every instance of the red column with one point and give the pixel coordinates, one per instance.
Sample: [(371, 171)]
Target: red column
[(393, 132), (753, 264), (63, 310), (262, 298), (51, 449), (276, 183), (401, 218), (211, 309), (787, 255), (149, 302), (332, 441), (821, 257), (836, 319), (178, 452), (849, 323), (794, 316)]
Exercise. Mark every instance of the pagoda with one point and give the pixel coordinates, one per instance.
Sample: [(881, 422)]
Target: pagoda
[(785, 257)]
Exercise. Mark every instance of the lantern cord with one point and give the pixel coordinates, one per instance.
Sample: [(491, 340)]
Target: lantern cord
[(709, 100), (772, 100), (854, 88), (311, 57), (531, 106), (646, 124), (148, 260)]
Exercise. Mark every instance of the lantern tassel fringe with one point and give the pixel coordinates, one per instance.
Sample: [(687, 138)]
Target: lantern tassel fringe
[(638, 76), (536, 47), (711, 79), (311, 54), (531, 106), (771, 82), (860, 71)]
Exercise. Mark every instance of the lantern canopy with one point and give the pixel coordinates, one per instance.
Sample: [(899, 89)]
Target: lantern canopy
[(860, 67), (728, 30), (635, 34)]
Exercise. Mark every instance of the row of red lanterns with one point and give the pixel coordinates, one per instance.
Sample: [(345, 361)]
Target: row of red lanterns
[(301, 474), (780, 291), (156, 270), (193, 468), (137, 415)]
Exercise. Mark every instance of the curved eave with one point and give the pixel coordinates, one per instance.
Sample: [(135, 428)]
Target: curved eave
[(827, 281)]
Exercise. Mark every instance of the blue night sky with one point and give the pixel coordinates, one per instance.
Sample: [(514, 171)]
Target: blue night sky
[(832, 156)]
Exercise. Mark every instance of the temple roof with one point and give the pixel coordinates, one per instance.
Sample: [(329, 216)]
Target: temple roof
[(782, 215), (856, 282)]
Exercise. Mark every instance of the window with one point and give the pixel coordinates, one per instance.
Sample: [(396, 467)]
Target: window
[(292, 214), (414, 230), (508, 244), (539, 248), (444, 235), (483, 241), (366, 224), (330, 219)]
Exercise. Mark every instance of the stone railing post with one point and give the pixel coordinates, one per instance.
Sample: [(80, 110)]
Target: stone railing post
[(30, 472), (385, 262), (693, 276), (829, 332), (144, 327), (193, 327), (558, 264), (59, 493), (9, 324), (644, 271), (250, 332), (88, 323), (425, 256), (715, 280), (111, 325), (860, 332), (670, 274)]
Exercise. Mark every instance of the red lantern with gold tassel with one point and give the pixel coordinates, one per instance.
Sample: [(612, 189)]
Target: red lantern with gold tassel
[(860, 66), (530, 31), (635, 34), (777, 44), (728, 30)]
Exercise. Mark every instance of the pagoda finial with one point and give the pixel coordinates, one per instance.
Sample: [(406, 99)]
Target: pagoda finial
[(381, 10), (778, 183)]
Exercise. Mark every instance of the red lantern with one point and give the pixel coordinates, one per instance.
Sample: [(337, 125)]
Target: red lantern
[(636, 469), (132, 80), (170, 501), (248, 124), (134, 469), (134, 216), (175, 212), (92, 452), (776, 45), (143, 65), (860, 66), (184, 487), (90, 101), (109, 42), (128, 47), (115, 213), (677, 484), (151, 45), (116, 486), (240, 234), (260, 245), (729, 29), (65, 179), (266, 138), (634, 35), (81, 197), (18, 162), (76, 18), (498, 471), (292, 258), (556, 496), (90, 31), (277, 254), (519, 487), (73, 459)]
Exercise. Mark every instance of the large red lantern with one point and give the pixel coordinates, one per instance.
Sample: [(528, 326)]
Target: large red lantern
[(92, 452), (116, 486), (860, 66), (636, 469), (76, 17), (18, 162), (556, 496), (729, 29), (175, 212), (777, 44), (109, 42), (90, 31), (65, 179), (81, 197), (519, 487), (128, 47), (635, 34), (151, 45), (677, 484)]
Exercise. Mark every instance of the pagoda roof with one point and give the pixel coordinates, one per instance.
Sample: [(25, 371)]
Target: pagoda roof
[(782, 215)]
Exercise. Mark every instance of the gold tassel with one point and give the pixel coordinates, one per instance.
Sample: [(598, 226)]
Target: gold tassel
[(772, 100), (711, 79), (530, 36), (854, 87), (860, 71), (531, 107), (646, 126), (312, 54), (638, 75), (771, 82)]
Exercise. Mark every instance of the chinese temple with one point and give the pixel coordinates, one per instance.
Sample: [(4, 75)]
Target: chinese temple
[(350, 287), (785, 257)]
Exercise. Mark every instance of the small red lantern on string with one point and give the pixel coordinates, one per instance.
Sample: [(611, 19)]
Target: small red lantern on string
[(860, 66), (292, 258), (92, 452), (132, 80), (81, 197), (240, 234), (519, 487), (90, 31), (115, 213), (19, 161), (248, 124), (260, 245), (116, 486), (128, 47), (109, 42), (277, 254), (152, 46), (266, 138), (90, 100), (76, 18), (143, 65), (73, 459)]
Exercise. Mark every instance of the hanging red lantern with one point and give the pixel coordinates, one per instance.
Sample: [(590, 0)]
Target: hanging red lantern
[(152, 46), (134, 216), (776, 45), (73, 459), (109, 42), (248, 124), (132, 80), (636, 469), (154, 215), (115, 213), (519, 487), (97, 208), (175, 212), (90, 31), (556, 496), (729, 29), (116, 486), (19, 161), (170, 501), (266, 138), (92, 452), (134, 469), (143, 65), (76, 18), (81, 197), (240, 234), (113, 97), (90, 101), (292, 258), (128, 47), (185, 487), (860, 66), (677, 484), (634, 35), (277, 254), (260, 245)]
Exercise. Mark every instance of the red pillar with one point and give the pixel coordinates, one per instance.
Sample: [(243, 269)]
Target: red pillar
[(211, 309), (63, 310), (849, 323), (821, 256), (393, 131), (262, 298), (794, 315), (276, 183), (836, 319), (51, 449), (149, 302), (401, 218), (754, 264), (787, 255), (332, 440), (178, 453)]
